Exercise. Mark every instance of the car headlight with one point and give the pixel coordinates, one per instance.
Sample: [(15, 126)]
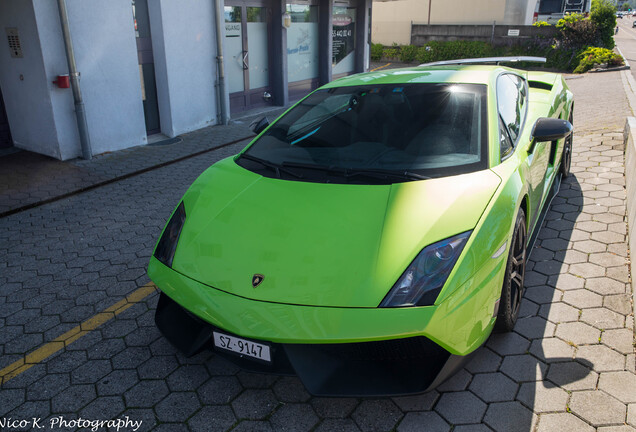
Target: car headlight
[(167, 245), (422, 281)]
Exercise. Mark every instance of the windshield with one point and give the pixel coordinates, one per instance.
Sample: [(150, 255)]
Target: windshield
[(376, 134)]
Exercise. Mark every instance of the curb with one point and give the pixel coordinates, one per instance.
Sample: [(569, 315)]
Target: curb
[(630, 186)]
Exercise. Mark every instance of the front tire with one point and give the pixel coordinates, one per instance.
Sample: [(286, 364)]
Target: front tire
[(512, 290), (566, 157)]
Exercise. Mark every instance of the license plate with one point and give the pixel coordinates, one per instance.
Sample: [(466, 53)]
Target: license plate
[(242, 346)]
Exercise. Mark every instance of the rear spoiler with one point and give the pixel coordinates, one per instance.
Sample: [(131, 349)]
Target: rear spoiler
[(485, 60)]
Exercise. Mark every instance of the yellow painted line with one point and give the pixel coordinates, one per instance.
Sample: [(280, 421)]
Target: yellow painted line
[(57, 344), (380, 67)]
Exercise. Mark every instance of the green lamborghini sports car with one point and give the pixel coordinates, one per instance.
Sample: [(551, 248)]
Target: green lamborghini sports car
[(371, 238)]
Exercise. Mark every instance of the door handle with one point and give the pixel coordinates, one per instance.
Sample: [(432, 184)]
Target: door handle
[(245, 66)]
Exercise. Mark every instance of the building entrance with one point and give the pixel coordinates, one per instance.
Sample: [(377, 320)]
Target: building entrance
[(247, 41), (5, 134)]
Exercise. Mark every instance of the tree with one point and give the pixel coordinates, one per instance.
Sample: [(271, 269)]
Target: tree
[(603, 14)]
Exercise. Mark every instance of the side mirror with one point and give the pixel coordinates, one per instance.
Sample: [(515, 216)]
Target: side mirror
[(258, 126), (549, 129)]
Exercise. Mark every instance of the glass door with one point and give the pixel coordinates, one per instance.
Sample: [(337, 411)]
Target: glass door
[(247, 45)]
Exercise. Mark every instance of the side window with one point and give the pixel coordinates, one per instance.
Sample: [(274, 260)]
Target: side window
[(508, 104), (505, 145), (512, 99)]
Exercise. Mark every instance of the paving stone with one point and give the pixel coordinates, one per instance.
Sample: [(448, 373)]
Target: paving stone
[(603, 318), (534, 327), (73, 398), (91, 371), (294, 418), (597, 408), (621, 385), (523, 368), (215, 418), (484, 360), (116, 382), (493, 387), (605, 286), (539, 398), (582, 299), (146, 394), (510, 417), (631, 414), (336, 407), (423, 402), (219, 390), (106, 407), (290, 389), (48, 386), (254, 404), (566, 282), (9, 399), (572, 376), (340, 425), (508, 343), (187, 377), (607, 259), (416, 421), (254, 380), (472, 410), (620, 340), (457, 382), (253, 426), (552, 350), (157, 367), (577, 333), (603, 358), (620, 303), (622, 428), (562, 422), (559, 312), (472, 428), (376, 415), (177, 407)]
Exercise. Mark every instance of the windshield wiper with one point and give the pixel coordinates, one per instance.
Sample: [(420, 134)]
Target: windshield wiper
[(354, 172), (271, 165), (384, 174)]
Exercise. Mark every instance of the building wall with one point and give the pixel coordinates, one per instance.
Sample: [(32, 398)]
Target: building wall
[(27, 99), (184, 50), (391, 21)]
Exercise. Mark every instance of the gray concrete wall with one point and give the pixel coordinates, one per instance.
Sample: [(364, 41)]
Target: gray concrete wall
[(25, 84), (421, 33), (184, 50)]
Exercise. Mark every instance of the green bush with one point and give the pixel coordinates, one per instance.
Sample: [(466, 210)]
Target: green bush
[(408, 53), (450, 50), (376, 51), (542, 24), (390, 53), (575, 31), (596, 55), (603, 14)]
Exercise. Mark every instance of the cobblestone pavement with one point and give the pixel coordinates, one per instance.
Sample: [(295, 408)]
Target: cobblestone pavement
[(568, 366)]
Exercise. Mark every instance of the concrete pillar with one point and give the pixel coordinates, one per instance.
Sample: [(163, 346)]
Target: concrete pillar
[(325, 27), (363, 35), (278, 52)]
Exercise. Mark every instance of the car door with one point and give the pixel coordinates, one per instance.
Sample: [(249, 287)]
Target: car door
[(512, 105)]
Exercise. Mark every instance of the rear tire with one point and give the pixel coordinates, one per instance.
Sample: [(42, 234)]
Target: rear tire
[(512, 290), (566, 157)]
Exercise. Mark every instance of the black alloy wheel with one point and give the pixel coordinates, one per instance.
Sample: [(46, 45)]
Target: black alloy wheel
[(512, 290), (566, 157)]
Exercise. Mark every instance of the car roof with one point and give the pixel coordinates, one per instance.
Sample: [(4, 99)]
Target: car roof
[(467, 74)]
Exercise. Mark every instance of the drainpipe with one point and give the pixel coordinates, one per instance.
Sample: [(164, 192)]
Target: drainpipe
[(75, 77), (219, 60)]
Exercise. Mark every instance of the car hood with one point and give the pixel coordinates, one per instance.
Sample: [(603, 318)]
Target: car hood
[(318, 244)]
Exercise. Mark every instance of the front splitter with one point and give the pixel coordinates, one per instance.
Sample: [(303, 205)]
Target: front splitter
[(382, 368)]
